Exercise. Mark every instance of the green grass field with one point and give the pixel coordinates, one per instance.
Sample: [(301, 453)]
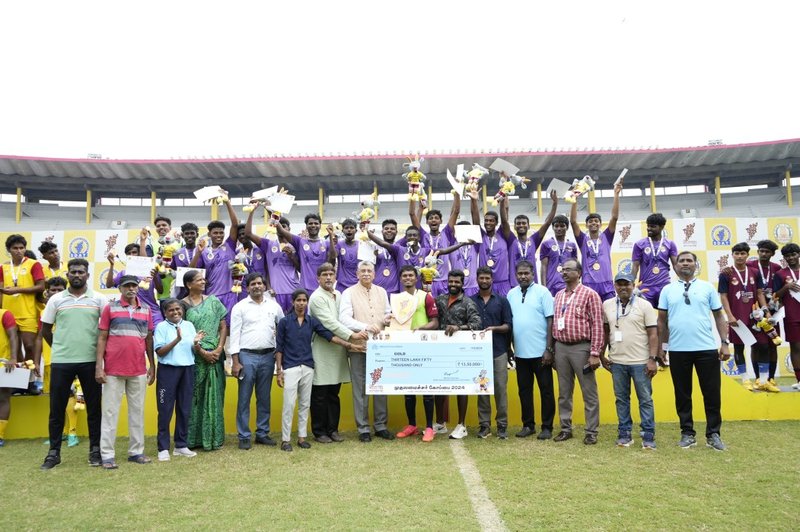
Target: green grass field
[(411, 485)]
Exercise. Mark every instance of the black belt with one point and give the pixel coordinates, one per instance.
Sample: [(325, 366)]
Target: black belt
[(573, 343), (258, 351)]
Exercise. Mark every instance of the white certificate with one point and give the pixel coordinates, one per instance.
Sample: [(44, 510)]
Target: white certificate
[(744, 333), (457, 186), (465, 233), (281, 203), (209, 193), (501, 165), (559, 186), (19, 378), (366, 251), (181, 271), (140, 266)]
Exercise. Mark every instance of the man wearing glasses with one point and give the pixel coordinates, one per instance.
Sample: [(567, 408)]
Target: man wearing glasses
[(684, 321)]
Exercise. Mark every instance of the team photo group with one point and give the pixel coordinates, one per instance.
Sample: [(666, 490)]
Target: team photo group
[(304, 308)]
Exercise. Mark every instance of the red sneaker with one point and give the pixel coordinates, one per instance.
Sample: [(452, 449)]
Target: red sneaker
[(428, 435), (410, 430)]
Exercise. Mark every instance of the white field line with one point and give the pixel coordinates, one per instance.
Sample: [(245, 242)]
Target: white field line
[(485, 511)]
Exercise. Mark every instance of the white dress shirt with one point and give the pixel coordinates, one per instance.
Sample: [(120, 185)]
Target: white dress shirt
[(253, 325)]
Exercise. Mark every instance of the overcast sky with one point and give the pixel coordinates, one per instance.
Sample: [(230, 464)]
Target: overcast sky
[(179, 79)]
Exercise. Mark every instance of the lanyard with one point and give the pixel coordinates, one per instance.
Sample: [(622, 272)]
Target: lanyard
[(523, 253), (567, 303), (655, 250), (15, 272), (434, 243), (466, 255), (625, 313), (794, 277), (491, 244), (763, 275), (594, 246), (190, 253), (561, 250), (746, 277)]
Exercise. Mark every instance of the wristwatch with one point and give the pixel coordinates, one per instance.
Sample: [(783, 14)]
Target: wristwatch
[(550, 349), (654, 358), (726, 341)]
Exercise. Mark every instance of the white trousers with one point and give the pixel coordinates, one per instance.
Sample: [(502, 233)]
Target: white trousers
[(296, 385), (134, 389)]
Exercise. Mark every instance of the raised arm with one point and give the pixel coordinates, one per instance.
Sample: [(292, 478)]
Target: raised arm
[(612, 223), (552, 214), (109, 280), (573, 220), (415, 213), (473, 207), (378, 240), (505, 227), (233, 233), (248, 229), (332, 241), (455, 211)]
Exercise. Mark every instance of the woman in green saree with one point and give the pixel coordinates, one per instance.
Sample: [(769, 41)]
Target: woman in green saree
[(207, 314)]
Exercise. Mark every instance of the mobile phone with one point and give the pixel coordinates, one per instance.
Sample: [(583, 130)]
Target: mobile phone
[(587, 369)]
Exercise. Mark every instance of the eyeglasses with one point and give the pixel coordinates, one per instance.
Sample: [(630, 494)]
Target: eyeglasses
[(686, 287)]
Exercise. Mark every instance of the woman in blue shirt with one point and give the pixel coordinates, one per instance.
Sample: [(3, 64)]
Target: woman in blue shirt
[(175, 342)]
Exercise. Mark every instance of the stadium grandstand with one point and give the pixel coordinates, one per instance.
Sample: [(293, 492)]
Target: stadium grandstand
[(744, 180)]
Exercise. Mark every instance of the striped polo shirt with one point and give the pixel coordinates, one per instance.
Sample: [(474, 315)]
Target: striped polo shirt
[(128, 325), (75, 318)]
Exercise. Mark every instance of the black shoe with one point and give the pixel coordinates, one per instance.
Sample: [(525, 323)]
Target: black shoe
[(364, 437), (384, 434), (590, 439), (303, 444), (525, 432), (546, 434), (502, 433), (335, 437), (244, 444), (94, 457), (285, 446), (563, 436), (484, 432), (323, 439), (51, 460), (265, 440)]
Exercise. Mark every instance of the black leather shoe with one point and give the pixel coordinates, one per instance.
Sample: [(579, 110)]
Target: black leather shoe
[(323, 439), (563, 436), (384, 434), (546, 434), (51, 460), (364, 437), (286, 446), (525, 432), (244, 444), (334, 436), (94, 457), (590, 439), (265, 440), (303, 444)]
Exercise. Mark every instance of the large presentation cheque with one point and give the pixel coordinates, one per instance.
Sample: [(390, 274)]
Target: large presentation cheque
[(430, 363)]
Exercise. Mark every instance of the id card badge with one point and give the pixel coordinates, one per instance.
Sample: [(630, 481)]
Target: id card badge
[(561, 323), (617, 336)]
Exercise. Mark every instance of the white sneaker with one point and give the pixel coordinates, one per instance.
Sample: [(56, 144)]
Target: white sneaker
[(163, 456), (183, 451), (795, 386), (440, 428), (459, 432)]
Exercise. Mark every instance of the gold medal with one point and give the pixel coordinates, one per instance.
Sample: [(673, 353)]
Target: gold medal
[(466, 272), (596, 266), (656, 270), (386, 272), (490, 263)]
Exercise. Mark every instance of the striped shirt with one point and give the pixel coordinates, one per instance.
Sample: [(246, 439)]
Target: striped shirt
[(128, 325), (75, 317), (582, 313)]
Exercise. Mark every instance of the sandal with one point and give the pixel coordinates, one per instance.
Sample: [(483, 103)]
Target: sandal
[(286, 446), (139, 459), (109, 464), (303, 444)]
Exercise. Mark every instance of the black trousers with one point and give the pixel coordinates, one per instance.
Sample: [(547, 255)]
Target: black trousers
[(61, 377), (325, 409), (527, 370), (706, 363)]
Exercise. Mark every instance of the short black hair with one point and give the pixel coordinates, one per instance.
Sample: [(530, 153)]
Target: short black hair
[(741, 246), (15, 239), (216, 224), (656, 219), (412, 228), (78, 262), (160, 218), (252, 276), (299, 292), (388, 221), (577, 263), (189, 226), (694, 257), (493, 214), (763, 244), (560, 219), (55, 281), (325, 267), (407, 268), (284, 221), (312, 216), (456, 273), (348, 222), (524, 264), (433, 212), (485, 270), (129, 247), (47, 247), (791, 247), (30, 254), (163, 305), (594, 215), (522, 217)]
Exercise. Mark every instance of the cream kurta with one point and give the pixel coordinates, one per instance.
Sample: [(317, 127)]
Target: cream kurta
[(330, 360)]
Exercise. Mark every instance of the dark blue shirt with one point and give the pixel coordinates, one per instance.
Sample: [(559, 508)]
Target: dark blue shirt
[(294, 340), (495, 312)]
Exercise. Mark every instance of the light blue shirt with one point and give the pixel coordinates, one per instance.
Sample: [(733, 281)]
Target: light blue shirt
[(529, 322), (181, 354), (691, 327)]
